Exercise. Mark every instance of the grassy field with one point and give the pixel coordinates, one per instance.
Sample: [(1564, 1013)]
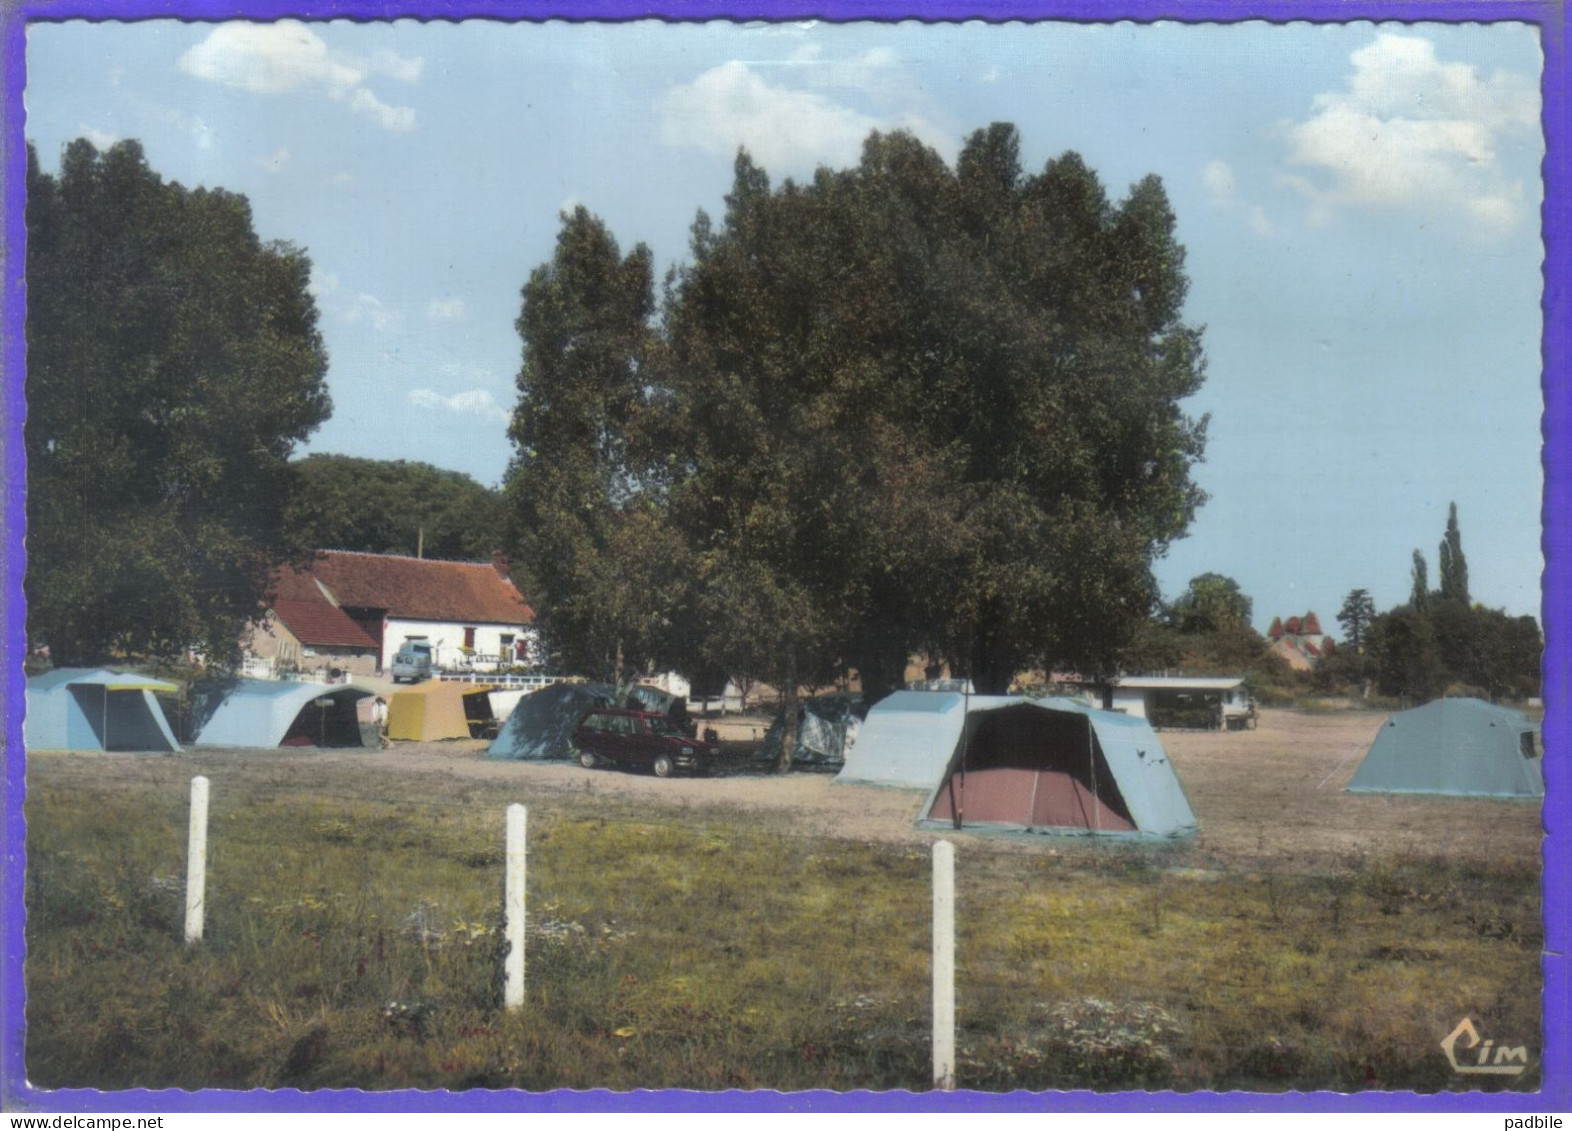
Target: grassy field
[(353, 941)]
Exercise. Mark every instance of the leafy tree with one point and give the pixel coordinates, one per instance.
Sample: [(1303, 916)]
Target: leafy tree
[(607, 575), (1355, 617), (173, 363), (1454, 569), (1211, 603), (949, 398), (394, 507), (1419, 599), (1407, 658)]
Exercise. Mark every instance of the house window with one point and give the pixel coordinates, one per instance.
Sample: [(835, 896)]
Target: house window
[(469, 639)]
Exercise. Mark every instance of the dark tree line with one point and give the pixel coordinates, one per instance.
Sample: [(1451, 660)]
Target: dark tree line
[(393, 507), (900, 408), (173, 362), (1439, 639)]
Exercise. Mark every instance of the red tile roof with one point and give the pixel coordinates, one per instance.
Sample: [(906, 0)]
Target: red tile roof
[(412, 588), (320, 624)]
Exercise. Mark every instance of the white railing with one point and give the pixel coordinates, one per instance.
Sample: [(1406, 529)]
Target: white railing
[(501, 679)]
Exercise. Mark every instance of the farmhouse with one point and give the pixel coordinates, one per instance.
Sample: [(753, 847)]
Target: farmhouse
[(352, 611)]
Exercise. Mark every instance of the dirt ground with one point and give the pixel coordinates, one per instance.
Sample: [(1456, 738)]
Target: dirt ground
[(1270, 795)]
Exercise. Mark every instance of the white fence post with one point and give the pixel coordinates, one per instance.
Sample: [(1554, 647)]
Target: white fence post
[(196, 862), (513, 894), (944, 966)]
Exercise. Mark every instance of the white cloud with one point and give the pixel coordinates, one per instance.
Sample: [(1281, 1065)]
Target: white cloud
[(287, 57), (477, 402), (275, 58), (341, 178), (370, 309), (1218, 177), (397, 119), (1260, 224), (385, 62), (788, 130), (445, 310), (991, 75), (276, 162), (101, 139), (1410, 131)]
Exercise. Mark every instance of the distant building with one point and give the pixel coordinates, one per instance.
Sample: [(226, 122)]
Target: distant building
[(352, 612), (1191, 702), (1300, 642)]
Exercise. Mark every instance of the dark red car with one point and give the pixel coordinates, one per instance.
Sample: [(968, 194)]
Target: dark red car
[(640, 740)]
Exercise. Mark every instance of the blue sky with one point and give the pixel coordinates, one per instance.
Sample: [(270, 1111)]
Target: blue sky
[(1360, 205)]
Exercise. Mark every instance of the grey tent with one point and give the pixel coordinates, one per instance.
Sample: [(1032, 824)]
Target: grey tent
[(907, 739), (542, 724), (1010, 764), (94, 709), (258, 712), (827, 727), (1461, 747)]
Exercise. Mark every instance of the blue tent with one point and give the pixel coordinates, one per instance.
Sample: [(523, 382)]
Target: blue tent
[(542, 724), (259, 712), (1011, 764), (94, 709), (1461, 747)]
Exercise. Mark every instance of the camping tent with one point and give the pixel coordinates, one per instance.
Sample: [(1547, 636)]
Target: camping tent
[(435, 710), (1463, 747), (93, 709), (907, 739), (1011, 764), (258, 712), (1056, 765), (542, 725), (827, 728)]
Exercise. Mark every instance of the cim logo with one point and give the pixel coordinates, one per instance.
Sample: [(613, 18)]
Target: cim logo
[(1496, 1060)]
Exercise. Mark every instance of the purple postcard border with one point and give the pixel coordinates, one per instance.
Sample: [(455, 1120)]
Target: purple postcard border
[(1549, 16)]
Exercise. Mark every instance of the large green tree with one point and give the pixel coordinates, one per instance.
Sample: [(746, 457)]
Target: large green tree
[(606, 573), (173, 363), (940, 407), (394, 507), (1209, 603)]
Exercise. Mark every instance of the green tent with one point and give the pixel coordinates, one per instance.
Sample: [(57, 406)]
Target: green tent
[(1461, 747)]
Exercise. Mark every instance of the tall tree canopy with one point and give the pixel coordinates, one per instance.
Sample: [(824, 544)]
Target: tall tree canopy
[(1355, 616), (604, 570), (1453, 566), (394, 507), (939, 408), (900, 407), (1211, 602), (173, 363)]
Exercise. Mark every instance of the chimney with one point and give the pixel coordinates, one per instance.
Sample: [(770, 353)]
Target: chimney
[(499, 562)]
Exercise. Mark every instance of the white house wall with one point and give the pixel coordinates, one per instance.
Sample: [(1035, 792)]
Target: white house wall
[(447, 639), (1131, 702)]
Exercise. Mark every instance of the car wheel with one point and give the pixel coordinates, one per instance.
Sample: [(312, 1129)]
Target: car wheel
[(588, 760), (663, 766)]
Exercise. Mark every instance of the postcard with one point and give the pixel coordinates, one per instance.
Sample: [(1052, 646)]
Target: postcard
[(744, 559)]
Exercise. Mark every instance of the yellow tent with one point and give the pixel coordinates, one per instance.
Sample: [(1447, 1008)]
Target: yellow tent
[(437, 709)]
